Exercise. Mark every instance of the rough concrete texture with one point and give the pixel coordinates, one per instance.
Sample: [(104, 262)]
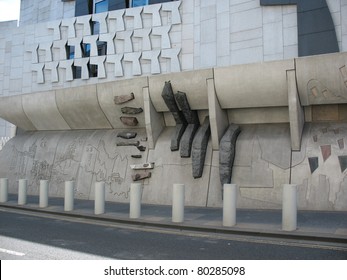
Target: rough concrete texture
[(227, 153), (181, 123), (199, 148)]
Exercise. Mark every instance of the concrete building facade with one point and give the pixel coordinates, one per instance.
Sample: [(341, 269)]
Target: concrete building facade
[(266, 66)]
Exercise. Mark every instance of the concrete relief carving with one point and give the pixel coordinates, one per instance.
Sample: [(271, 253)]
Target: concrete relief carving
[(125, 36)]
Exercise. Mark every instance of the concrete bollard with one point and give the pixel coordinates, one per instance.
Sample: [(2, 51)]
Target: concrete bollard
[(22, 191), (289, 207), (178, 197), (43, 193), (69, 196), (135, 200), (3, 190), (99, 200), (229, 205)]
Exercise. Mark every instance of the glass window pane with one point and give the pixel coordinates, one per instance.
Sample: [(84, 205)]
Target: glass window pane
[(101, 6), (136, 3)]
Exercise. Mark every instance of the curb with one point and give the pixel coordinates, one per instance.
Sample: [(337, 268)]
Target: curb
[(186, 227)]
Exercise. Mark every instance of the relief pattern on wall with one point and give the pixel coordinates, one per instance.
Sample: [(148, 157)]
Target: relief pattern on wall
[(121, 30)]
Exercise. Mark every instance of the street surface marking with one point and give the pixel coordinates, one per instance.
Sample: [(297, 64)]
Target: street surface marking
[(14, 253)]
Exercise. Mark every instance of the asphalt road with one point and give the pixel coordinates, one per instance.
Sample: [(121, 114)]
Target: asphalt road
[(37, 236)]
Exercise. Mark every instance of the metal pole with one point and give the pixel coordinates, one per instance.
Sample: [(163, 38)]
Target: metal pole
[(289, 207), (69, 196), (22, 191), (229, 205), (3, 190), (43, 193), (178, 197), (99, 205), (135, 200)]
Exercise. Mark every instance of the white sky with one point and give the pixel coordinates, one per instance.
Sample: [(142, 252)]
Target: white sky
[(9, 10)]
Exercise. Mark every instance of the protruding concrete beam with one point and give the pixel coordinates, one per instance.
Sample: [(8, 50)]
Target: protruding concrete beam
[(227, 153), (47, 48), (199, 148), (61, 45), (67, 65), (181, 123), (125, 36), (93, 45), (154, 120), (101, 19), (109, 39), (34, 54), (53, 67), (100, 62), (76, 43), (218, 117), (38, 68)]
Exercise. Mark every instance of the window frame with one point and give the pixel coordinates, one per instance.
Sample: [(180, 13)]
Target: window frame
[(131, 4)]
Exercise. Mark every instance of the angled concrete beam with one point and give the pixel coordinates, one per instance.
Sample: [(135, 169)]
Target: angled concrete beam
[(47, 48), (218, 117)]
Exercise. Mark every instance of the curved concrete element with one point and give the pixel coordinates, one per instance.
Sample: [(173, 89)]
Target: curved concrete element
[(108, 91), (322, 79), (45, 117), (253, 85), (80, 108), (11, 109), (193, 83)]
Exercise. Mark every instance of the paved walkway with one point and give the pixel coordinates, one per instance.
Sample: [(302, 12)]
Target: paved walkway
[(312, 225)]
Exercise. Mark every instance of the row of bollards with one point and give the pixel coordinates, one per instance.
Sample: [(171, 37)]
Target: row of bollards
[(289, 207)]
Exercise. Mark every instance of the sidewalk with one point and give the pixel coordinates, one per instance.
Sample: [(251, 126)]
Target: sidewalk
[(312, 225)]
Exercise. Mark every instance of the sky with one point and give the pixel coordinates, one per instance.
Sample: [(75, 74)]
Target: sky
[(9, 10)]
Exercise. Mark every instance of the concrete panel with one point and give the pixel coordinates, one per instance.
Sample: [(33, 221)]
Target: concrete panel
[(44, 117), (108, 91), (11, 109), (322, 79), (192, 83), (80, 108), (253, 85)]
